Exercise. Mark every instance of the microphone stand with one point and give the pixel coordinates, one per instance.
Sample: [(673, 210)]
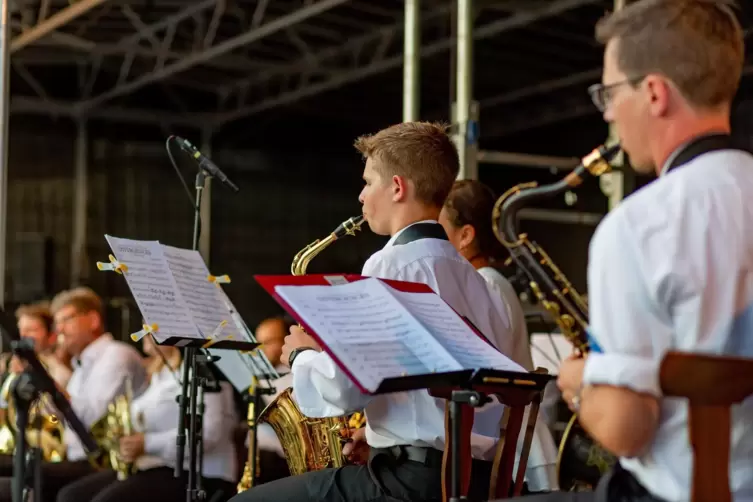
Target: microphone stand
[(30, 384), (189, 388)]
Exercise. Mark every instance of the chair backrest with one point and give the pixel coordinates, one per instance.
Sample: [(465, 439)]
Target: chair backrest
[(712, 385)]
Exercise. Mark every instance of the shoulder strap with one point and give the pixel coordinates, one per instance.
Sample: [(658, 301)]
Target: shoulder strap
[(700, 146), (420, 231)]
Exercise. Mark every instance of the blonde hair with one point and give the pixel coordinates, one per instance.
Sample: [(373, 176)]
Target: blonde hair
[(83, 299), (422, 152), (697, 44), (39, 311)]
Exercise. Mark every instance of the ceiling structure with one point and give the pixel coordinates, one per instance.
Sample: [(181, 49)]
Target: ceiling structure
[(239, 64)]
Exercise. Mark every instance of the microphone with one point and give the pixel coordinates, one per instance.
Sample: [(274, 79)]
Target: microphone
[(204, 162)]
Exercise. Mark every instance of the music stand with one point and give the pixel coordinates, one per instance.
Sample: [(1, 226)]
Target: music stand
[(32, 382)]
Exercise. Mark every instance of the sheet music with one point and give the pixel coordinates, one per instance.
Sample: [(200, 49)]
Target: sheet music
[(368, 330), (203, 299), (450, 330), (153, 287)]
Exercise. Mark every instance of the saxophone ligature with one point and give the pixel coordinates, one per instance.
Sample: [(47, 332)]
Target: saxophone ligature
[(556, 294), (311, 444)]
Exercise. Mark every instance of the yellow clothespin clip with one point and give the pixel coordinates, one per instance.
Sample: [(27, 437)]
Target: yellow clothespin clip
[(114, 265), (213, 337), (141, 334), (217, 280)]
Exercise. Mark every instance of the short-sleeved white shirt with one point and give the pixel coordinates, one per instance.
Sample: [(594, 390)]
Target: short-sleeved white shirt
[(671, 268)]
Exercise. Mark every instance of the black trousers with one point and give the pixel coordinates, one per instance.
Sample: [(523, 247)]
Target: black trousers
[(618, 485), (54, 477), (384, 479), (157, 484)]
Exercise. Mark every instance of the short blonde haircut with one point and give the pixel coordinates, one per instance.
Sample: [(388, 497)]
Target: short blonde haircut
[(697, 44), (83, 299), (421, 152)]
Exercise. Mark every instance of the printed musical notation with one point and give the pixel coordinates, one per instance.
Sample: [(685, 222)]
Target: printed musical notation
[(153, 287), (378, 332), (203, 299), (452, 332)]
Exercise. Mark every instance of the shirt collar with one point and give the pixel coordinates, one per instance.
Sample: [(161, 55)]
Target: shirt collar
[(392, 240), (94, 350), (673, 156)]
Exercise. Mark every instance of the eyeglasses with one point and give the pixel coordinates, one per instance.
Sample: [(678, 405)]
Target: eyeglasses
[(602, 94)]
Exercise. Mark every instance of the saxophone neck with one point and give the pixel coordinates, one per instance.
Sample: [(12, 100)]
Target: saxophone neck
[(302, 259)]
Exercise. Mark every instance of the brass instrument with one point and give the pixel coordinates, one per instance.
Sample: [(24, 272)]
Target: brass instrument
[(311, 444), (45, 430), (557, 295), (107, 431)]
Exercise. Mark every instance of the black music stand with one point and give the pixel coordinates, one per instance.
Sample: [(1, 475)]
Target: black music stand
[(30, 384)]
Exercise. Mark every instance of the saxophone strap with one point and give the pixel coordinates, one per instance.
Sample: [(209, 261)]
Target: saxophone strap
[(419, 231), (700, 146)]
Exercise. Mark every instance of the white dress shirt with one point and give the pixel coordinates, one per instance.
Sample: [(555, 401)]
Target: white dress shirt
[(156, 411), (99, 375), (541, 469), (410, 418), (671, 268)]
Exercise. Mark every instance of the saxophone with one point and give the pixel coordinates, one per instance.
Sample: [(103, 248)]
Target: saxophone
[(107, 431), (557, 295), (311, 444)]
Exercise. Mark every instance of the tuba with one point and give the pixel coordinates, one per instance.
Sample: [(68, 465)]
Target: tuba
[(580, 461), (107, 431), (311, 444)]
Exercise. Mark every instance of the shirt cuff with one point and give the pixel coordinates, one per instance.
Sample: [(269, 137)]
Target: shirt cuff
[(303, 358), (620, 370)]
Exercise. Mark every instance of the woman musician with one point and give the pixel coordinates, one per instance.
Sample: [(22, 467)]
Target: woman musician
[(152, 449)]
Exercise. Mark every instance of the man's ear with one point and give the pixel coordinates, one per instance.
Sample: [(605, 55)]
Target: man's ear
[(659, 95), (399, 188)]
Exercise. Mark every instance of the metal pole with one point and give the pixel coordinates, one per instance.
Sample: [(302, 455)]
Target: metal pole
[(79, 258), (205, 209), (464, 83), (612, 184), (412, 60), (5, 34)]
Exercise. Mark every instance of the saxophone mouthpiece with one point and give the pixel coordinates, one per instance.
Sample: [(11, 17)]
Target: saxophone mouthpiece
[(349, 227)]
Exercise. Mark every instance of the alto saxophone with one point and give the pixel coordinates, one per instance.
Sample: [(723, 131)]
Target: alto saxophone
[(310, 444), (556, 294)]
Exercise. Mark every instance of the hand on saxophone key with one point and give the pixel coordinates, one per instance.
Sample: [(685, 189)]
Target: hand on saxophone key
[(570, 380), (357, 449), (131, 447), (297, 339)]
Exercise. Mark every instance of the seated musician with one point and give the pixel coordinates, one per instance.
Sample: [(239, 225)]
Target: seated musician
[(410, 169), (101, 366), (671, 268), (465, 217), (35, 322), (152, 448)]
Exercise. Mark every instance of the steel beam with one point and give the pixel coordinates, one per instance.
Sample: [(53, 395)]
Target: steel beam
[(53, 22), (377, 61), (5, 49), (22, 105), (256, 33), (528, 160)]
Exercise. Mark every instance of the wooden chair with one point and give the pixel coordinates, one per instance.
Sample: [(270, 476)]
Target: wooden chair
[(503, 483), (712, 385)]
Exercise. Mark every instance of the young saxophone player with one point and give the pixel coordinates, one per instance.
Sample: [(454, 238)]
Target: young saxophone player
[(410, 168), (671, 268), (151, 449)]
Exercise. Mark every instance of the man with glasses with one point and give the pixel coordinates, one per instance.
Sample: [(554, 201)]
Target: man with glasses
[(671, 268), (101, 367)]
